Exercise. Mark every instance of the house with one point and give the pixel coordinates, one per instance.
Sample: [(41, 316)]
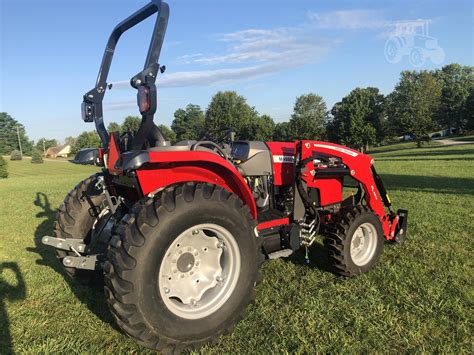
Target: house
[(59, 151)]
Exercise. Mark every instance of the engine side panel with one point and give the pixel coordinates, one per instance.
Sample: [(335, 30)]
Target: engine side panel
[(283, 156), (252, 157)]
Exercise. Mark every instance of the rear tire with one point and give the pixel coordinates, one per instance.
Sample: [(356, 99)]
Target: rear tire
[(150, 276), (355, 241), (75, 219)]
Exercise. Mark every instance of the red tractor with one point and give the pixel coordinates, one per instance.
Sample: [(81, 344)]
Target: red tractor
[(179, 231)]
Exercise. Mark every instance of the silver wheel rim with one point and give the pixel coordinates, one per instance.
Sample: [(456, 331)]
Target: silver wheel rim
[(363, 244), (199, 271)]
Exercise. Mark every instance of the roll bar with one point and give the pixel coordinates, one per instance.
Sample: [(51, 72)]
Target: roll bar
[(92, 102)]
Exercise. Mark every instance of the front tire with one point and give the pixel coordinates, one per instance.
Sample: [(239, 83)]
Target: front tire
[(185, 269), (355, 241)]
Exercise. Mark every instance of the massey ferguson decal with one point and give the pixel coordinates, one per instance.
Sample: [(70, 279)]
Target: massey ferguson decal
[(283, 159)]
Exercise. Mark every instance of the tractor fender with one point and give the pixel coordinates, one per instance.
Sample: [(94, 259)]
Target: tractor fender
[(164, 168)]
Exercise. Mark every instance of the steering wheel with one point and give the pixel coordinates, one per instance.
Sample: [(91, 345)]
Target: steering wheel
[(227, 133), (221, 138), (216, 144)]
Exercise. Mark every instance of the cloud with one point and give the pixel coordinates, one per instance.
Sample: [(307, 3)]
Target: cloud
[(295, 46), (131, 103), (120, 105), (349, 19), (250, 54), (362, 19)]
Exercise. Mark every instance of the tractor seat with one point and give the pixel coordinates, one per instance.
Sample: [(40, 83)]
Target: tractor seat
[(180, 146)]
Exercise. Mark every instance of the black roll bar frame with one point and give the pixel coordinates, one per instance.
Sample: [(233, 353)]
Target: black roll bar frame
[(92, 110)]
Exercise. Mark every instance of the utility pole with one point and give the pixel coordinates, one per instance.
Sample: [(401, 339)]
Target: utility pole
[(44, 149), (19, 141)]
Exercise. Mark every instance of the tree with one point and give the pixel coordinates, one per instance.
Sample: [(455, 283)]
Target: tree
[(308, 118), (3, 168), (9, 135), (167, 133), (282, 132), (114, 127), (36, 157), (469, 111), (457, 83), (261, 128), (228, 110), (70, 140), (86, 140), (357, 120), (131, 123), (413, 104), (188, 124), (16, 155), (48, 143)]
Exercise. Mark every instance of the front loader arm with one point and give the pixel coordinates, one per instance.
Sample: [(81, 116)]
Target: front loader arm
[(360, 167)]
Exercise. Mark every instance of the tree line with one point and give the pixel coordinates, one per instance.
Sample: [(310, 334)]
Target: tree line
[(421, 102)]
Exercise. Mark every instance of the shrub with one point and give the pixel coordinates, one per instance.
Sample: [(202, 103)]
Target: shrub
[(3, 168), (16, 155), (36, 157)]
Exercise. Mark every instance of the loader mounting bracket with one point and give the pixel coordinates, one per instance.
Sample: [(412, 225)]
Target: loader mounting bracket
[(89, 262), (70, 244)]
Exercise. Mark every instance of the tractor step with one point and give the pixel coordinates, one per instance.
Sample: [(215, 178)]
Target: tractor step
[(280, 254), (69, 244)]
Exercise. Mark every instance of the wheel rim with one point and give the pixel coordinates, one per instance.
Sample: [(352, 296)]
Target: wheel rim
[(199, 271), (363, 244)]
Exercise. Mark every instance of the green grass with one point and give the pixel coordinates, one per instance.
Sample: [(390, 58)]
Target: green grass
[(402, 146), (419, 297), (464, 138)]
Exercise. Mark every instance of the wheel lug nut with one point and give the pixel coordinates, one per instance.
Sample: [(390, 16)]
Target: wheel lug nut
[(195, 232), (167, 290), (219, 278), (193, 302)]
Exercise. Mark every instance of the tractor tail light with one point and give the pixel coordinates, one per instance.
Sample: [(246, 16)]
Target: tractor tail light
[(143, 99), (100, 157)]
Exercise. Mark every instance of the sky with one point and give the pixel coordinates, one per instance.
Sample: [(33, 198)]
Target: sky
[(268, 51)]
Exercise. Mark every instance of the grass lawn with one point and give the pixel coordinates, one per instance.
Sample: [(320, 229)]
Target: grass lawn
[(464, 138), (419, 297), (401, 146)]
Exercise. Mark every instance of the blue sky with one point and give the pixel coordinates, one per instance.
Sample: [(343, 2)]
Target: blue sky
[(268, 51)]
